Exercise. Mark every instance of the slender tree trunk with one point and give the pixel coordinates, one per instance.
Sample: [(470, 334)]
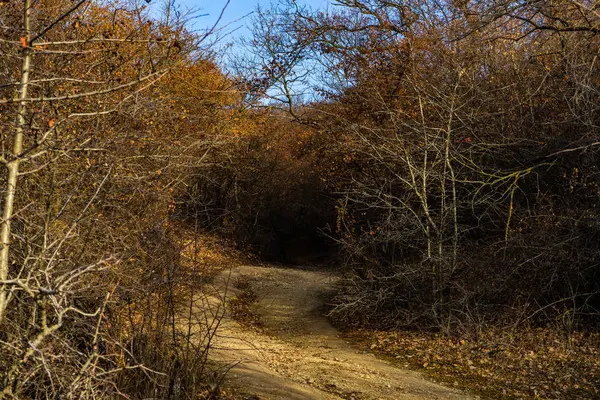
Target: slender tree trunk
[(450, 169), (13, 163)]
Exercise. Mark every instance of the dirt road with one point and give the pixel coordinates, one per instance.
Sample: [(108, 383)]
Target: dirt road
[(298, 355)]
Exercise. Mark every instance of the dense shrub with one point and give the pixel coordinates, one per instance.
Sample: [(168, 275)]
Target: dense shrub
[(466, 137), (269, 196)]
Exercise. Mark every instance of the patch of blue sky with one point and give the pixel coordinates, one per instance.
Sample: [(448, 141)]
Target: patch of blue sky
[(229, 23), (231, 18)]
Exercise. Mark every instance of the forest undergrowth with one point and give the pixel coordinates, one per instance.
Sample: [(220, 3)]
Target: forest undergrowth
[(445, 155), (442, 155), (522, 363)]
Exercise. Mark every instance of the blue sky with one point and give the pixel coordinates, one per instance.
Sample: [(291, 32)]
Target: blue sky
[(236, 10)]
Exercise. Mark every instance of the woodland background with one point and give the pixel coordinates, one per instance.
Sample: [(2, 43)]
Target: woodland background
[(443, 155)]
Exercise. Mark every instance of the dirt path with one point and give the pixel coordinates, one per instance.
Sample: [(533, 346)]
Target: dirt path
[(298, 354)]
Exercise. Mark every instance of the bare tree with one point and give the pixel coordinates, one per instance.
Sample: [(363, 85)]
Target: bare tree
[(89, 182), (453, 120)]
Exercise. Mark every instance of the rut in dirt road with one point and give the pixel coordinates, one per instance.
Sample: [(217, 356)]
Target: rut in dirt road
[(298, 354)]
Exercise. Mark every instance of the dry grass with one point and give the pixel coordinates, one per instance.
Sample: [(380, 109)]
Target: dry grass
[(206, 253)]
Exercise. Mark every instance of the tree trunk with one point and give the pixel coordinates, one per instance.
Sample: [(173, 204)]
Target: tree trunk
[(13, 163)]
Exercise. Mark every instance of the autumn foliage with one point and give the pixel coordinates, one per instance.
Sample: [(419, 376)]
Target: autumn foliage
[(465, 140), (105, 113), (442, 155)]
